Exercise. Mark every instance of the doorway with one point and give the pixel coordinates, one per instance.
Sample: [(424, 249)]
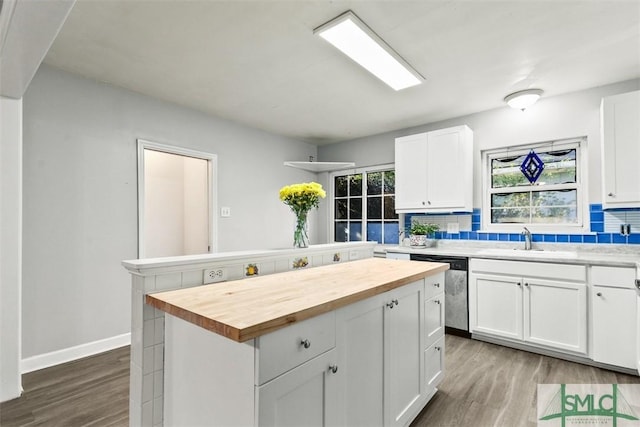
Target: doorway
[(176, 189)]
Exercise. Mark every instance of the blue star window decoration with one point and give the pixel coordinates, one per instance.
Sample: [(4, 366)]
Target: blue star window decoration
[(532, 166)]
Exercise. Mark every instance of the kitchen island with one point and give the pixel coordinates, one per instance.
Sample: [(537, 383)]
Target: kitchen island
[(359, 343)]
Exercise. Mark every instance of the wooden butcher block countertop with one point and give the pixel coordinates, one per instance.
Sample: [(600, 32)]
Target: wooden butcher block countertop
[(247, 308)]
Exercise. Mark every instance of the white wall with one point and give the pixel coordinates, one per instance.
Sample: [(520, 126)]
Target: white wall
[(195, 206), (10, 245), (564, 116), (164, 215), (80, 207)]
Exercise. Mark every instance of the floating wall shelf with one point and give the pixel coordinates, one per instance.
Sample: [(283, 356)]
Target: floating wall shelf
[(320, 166)]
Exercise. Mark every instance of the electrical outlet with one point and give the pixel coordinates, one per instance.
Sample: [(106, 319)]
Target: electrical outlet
[(215, 275)]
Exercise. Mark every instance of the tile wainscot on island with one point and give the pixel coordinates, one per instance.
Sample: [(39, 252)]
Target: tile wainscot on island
[(358, 343)]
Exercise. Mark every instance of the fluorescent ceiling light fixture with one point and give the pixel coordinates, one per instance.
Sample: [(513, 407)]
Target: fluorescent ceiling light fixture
[(523, 99), (356, 40)]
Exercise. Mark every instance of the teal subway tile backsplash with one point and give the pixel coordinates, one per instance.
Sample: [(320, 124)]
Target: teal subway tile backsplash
[(600, 225)]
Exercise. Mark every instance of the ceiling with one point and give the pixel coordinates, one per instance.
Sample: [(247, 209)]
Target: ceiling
[(259, 64)]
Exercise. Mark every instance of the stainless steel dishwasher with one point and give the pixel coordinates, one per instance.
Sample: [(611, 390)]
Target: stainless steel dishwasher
[(456, 292)]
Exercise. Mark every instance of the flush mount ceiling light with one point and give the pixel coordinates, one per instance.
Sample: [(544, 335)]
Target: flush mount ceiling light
[(356, 40), (523, 99)]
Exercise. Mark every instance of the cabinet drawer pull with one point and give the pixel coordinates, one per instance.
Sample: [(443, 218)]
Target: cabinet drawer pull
[(333, 368), (526, 284), (599, 294), (518, 284), (437, 301), (437, 285), (611, 195), (305, 343), (437, 348)]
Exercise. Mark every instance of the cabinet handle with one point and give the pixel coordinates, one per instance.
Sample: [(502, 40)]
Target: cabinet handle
[(611, 195), (599, 294), (423, 203), (395, 301), (429, 201), (526, 284), (437, 301), (437, 348), (333, 368), (390, 304), (305, 343), (437, 285), (518, 284)]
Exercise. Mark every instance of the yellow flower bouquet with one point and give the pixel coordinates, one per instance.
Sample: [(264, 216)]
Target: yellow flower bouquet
[(301, 198)]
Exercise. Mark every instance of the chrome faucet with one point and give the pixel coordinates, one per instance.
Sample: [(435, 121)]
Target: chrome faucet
[(527, 239)]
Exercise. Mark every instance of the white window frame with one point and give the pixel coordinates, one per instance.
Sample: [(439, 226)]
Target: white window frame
[(332, 193), (582, 207)]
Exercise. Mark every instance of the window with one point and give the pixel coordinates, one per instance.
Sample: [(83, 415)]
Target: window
[(364, 206), (552, 202)]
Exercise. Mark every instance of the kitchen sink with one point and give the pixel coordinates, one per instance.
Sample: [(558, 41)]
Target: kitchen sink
[(533, 253)]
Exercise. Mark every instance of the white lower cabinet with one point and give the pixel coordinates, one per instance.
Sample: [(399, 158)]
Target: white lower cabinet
[(434, 365), (517, 304), (615, 320), (380, 347), (303, 396)]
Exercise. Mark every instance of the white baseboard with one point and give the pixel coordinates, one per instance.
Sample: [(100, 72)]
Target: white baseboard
[(46, 360)]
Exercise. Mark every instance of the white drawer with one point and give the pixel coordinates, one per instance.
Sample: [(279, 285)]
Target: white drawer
[(433, 285), (293, 345), (542, 270), (618, 277)]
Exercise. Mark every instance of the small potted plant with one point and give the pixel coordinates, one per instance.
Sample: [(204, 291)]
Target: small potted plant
[(422, 235)]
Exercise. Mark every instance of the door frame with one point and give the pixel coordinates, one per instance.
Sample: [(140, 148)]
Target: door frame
[(212, 177)]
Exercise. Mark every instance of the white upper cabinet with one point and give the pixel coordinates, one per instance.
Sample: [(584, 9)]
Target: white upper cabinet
[(620, 115), (434, 171)]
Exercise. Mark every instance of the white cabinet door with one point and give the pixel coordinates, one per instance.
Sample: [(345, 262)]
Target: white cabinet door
[(360, 346), (434, 319), (448, 171), (555, 314), (615, 326), (411, 171), (304, 396), (434, 365), (404, 346), (495, 305), (621, 150), (434, 171)]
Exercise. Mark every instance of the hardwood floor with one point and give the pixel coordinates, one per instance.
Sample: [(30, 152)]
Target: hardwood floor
[(93, 391), (485, 385)]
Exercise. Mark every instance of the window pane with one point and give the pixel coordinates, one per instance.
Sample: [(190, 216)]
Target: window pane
[(340, 234), (341, 209), (355, 185), (505, 172), (390, 182), (510, 215), (559, 167), (391, 232), (555, 215), (390, 207), (374, 183), (355, 208), (355, 231), (374, 231), (374, 207), (501, 200), (555, 198), (341, 186)]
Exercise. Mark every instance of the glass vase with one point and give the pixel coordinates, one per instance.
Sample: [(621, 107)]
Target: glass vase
[(300, 237)]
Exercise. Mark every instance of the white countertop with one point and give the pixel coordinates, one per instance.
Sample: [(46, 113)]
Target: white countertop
[(609, 255)]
